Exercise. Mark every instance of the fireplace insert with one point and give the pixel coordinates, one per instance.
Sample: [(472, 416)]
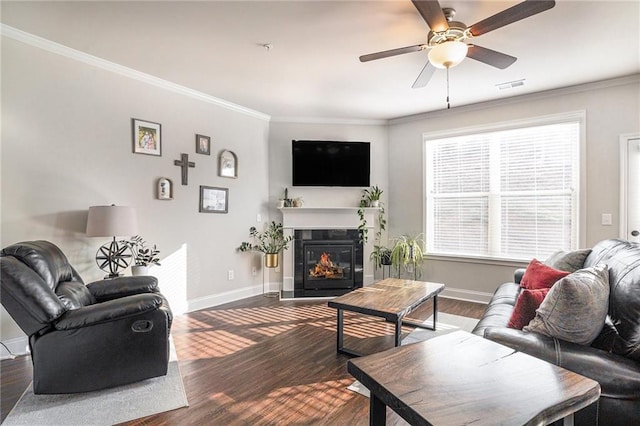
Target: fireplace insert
[(327, 262)]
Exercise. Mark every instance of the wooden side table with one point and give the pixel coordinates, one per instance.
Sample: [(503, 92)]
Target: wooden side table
[(461, 378)]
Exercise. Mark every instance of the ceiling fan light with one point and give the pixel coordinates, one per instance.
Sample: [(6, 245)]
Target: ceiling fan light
[(448, 54)]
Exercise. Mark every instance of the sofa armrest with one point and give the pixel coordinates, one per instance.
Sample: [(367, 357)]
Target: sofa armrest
[(619, 377), (122, 286), (518, 274), (111, 310)]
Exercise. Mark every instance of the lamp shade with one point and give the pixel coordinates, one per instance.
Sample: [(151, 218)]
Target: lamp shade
[(448, 54), (112, 221)]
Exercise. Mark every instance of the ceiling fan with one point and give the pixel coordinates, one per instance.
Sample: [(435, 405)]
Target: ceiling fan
[(447, 39)]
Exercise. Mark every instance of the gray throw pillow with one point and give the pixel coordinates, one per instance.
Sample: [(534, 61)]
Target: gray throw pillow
[(575, 308), (568, 261)]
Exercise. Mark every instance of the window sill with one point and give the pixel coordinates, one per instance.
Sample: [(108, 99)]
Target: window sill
[(514, 263)]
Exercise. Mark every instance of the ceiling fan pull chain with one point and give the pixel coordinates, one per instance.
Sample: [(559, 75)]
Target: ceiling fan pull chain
[(448, 104)]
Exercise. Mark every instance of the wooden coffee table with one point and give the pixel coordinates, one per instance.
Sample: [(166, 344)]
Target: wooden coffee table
[(391, 299), (460, 378)]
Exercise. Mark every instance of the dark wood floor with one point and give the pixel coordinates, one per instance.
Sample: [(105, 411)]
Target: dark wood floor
[(260, 361)]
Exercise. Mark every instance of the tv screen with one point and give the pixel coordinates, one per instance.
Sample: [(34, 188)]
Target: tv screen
[(330, 163)]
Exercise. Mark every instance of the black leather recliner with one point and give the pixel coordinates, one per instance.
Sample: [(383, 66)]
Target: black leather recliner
[(83, 337)]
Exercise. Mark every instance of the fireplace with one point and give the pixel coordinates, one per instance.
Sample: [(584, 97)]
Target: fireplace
[(328, 262)]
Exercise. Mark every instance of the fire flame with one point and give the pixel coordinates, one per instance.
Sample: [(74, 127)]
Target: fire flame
[(325, 268)]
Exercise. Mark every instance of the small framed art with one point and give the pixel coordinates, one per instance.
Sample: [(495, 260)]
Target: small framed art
[(214, 200), (228, 164), (165, 189), (203, 145), (147, 137)]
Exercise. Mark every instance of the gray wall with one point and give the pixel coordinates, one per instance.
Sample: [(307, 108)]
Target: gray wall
[(612, 108), (66, 145)]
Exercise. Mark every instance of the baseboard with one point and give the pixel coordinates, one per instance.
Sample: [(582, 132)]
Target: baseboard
[(226, 297), (466, 295), (18, 346)]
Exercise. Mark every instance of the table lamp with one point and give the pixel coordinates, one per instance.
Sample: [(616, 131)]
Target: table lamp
[(112, 221)]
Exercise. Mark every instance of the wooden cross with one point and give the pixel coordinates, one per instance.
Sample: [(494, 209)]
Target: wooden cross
[(185, 164)]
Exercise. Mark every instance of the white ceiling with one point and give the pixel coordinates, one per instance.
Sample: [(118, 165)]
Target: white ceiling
[(313, 71)]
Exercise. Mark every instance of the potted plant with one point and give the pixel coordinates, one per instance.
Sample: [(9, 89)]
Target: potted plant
[(143, 256), (370, 197), (271, 241), (380, 256), (407, 253)]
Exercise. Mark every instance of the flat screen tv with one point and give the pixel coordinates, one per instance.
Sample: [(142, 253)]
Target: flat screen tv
[(331, 163)]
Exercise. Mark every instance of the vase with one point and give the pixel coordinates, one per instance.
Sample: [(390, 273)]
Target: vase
[(271, 260), (374, 203), (139, 270)]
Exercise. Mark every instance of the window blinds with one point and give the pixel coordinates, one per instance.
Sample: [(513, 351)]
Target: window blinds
[(507, 194)]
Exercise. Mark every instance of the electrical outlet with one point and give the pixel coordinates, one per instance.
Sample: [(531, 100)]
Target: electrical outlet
[(606, 218), (230, 274), (258, 218), (254, 271)]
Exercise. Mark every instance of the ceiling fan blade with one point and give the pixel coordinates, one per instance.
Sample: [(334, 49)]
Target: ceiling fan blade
[(392, 52), (513, 14), (424, 76), (490, 57), (432, 14)]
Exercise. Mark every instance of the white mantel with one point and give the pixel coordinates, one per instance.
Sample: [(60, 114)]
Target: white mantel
[(326, 218)]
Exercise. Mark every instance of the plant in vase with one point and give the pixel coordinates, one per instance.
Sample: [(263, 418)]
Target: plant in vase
[(143, 256), (371, 198), (271, 241), (380, 256), (407, 253)]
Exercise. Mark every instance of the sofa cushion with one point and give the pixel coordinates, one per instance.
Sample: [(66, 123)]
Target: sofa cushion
[(569, 261), (526, 305), (539, 275), (576, 307)]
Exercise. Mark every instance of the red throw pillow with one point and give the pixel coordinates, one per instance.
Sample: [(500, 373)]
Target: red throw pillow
[(538, 275), (526, 305)]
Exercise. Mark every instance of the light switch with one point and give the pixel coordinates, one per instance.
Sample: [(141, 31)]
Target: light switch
[(606, 218)]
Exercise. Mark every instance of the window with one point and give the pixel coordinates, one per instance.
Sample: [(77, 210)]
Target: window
[(509, 193)]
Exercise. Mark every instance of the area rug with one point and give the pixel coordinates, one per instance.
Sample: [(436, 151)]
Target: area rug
[(446, 324), (105, 407)]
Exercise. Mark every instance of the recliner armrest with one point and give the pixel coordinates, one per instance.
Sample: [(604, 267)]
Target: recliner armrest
[(108, 311), (619, 377), (123, 286)]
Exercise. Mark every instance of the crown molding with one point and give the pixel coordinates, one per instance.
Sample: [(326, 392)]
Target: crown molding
[(329, 120), (62, 50), (585, 87)]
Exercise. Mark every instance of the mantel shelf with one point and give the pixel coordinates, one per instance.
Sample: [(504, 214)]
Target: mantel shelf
[(325, 209)]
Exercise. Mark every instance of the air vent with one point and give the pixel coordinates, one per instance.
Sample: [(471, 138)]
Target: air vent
[(510, 84)]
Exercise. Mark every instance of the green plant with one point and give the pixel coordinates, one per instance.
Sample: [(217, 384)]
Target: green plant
[(270, 241), (369, 195), (288, 202), (408, 251), (380, 256), (372, 194), (143, 255)]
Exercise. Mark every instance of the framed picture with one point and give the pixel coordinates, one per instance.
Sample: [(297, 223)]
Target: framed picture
[(147, 137), (228, 164), (165, 189), (214, 200), (203, 145)]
